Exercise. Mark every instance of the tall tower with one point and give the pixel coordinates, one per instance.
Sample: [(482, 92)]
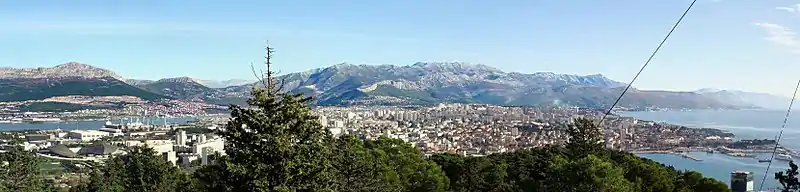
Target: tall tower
[(741, 181), (181, 138), (323, 120)]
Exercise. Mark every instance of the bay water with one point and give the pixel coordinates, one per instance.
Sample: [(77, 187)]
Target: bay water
[(85, 124), (745, 124)]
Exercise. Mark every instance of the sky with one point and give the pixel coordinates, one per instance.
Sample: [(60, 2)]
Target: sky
[(728, 44)]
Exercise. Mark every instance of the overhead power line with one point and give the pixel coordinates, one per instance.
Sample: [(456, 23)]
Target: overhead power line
[(778, 139), (646, 62)]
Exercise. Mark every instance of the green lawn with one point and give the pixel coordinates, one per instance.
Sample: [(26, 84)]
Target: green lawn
[(50, 166)]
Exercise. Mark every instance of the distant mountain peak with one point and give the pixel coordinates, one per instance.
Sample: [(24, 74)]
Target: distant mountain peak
[(179, 80), (762, 100), (599, 75), (708, 90), (73, 64), (224, 83), (69, 69), (454, 65)]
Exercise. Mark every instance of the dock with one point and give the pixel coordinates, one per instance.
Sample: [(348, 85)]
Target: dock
[(690, 156), (682, 154)]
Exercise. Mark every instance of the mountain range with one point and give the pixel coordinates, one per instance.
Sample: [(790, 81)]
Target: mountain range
[(743, 98), (348, 84)]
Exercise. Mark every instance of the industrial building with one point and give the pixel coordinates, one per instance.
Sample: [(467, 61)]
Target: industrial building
[(87, 135)]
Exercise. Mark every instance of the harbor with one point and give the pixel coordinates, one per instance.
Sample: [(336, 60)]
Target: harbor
[(682, 154), (784, 154)]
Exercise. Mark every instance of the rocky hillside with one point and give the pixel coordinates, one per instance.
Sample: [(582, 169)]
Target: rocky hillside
[(179, 87), (190, 89), (419, 83), (429, 83), (223, 83), (23, 89), (71, 69), (21, 84)]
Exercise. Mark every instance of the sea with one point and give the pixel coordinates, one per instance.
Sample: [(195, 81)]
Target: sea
[(745, 124), (88, 124)]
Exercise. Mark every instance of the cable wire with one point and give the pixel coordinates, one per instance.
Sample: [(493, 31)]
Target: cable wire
[(646, 63), (778, 139)]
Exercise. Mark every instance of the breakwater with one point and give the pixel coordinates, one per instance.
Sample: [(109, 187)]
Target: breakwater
[(684, 155)]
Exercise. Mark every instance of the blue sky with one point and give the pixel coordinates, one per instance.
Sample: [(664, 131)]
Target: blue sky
[(729, 44)]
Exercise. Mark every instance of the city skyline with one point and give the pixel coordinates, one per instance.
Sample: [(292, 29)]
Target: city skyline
[(722, 44)]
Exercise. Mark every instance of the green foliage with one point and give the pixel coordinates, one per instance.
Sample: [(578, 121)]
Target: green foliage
[(36, 89), (19, 171), (358, 168), (384, 165), (584, 137), (275, 145), (788, 178), (415, 173), (416, 96), (585, 174), (694, 181), (553, 169), (178, 89), (213, 178), (141, 170), (583, 165)]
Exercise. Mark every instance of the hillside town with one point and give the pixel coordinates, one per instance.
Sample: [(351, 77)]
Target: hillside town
[(473, 130)]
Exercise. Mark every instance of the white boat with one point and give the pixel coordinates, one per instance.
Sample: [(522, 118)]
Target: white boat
[(783, 157), (111, 125), (45, 120)]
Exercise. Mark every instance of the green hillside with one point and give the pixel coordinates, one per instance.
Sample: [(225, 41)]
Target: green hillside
[(20, 89)]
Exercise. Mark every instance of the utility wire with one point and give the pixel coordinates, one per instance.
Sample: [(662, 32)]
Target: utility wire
[(646, 63), (778, 140)]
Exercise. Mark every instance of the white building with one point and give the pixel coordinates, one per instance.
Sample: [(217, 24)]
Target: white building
[(741, 181), (171, 157), (87, 135), (338, 124), (323, 121), (336, 131), (212, 145), (181, 138), (201, 138), (112, 131)]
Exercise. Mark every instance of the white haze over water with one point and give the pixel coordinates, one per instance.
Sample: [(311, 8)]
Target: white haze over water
[(745, 124)]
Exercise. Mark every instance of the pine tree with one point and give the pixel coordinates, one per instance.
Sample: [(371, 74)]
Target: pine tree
[(276, 144), (584, 138), (788, 178), (140, 170), (19, 171)]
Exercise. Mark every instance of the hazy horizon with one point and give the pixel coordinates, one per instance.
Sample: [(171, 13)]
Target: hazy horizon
[(724, 44)]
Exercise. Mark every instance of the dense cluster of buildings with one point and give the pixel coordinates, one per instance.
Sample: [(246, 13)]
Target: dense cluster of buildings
[(485, 129), (96, 144), (473, 130), (453, 128)]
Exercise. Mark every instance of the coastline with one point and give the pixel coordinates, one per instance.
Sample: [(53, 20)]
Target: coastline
[(682, 154), (739, 153)]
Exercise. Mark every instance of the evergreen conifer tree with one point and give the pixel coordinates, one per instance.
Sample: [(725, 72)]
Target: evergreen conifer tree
[(19, 171), (275, 144)]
